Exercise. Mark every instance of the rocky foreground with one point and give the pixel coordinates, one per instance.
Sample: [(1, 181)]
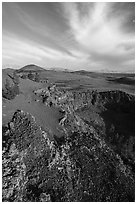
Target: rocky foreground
[(93, 160)]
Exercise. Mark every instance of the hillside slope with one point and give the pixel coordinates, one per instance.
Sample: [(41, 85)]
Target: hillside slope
[(31, 67), (92, 161)]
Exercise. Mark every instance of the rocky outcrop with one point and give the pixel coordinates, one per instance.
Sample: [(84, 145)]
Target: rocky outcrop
[(105, 99), (11, 87), (111, 114), (79, 166)]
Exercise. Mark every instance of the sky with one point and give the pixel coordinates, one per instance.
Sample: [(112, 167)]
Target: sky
[(77, 36)]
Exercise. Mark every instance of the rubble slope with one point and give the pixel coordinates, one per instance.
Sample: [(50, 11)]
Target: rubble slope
[(82, 165)]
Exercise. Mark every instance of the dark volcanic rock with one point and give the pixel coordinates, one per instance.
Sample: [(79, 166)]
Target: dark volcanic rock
[(84, 165), (11, 87), (113, 117)]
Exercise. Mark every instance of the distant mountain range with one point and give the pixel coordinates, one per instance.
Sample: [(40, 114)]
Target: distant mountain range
[(36, 68)]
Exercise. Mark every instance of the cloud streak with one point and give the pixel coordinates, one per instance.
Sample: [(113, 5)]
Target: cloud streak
[(20, 47), (90, 35)]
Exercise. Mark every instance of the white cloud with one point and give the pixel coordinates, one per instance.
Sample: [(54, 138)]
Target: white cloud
[(98, 35), (94, 37)]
